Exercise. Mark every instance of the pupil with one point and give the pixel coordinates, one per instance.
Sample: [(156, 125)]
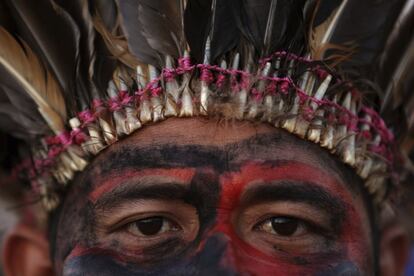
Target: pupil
[(150, 226), (285, 226)]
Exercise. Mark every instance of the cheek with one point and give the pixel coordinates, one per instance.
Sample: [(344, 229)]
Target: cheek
[(357, 239)]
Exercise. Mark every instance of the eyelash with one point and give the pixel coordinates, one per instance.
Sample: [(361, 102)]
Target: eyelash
[(301, 223), (161, 224)]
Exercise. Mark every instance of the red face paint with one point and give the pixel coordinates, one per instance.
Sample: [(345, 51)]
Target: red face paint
[(112, 181), (231, 253), (245, 257)]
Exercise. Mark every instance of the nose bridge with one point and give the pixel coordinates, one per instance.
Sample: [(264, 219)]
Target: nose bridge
[(229, 252), (219, 246), (217, 251)]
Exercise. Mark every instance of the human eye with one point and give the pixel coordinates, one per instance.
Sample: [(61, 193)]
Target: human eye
[(287, 227), (283, 226), (153, 226), (143, 229)]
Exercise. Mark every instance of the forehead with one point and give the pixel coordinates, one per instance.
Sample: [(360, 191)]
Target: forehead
[(230, 142)]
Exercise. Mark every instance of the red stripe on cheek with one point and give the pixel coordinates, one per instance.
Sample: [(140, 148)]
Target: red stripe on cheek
[(110, 182)]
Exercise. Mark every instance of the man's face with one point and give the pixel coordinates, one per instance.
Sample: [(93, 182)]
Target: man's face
[(192, 197)]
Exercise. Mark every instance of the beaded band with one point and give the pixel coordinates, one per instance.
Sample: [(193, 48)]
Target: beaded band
[(296, 98)]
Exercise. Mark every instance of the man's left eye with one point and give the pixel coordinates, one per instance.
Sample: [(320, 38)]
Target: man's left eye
[(152, 226), (282, 226)]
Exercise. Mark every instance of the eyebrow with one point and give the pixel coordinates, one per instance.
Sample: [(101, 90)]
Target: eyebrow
[(301, 192), (132, 192)]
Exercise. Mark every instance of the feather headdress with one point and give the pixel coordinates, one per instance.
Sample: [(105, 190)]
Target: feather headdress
[(315, 68)]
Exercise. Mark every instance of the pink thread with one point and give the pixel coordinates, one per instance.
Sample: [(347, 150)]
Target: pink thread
[(59, 143), (234, 83), (86, 117), (308, 113), (320, 73), (169, 74), (257, 95), (114, 104), (155, 92), (65, 139), (125, 98), (353, 125), (284, 86), (206, 75), (185, 64), (78, 136), (271, 88), (97, 103), (221, 78), (366, 134), (245, 81)]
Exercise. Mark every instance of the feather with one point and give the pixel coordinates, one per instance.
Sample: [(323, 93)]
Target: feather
[(78, 11), (270, 25), (324, 21), (22, 103), (116, 45), (162, 25), (136, 39), (363, 26), (19, 125), (22, 71), (108, 10), (6, 20), (254, 19), (197, 21), (296, 32), (213, 20), (224, 33), (395, 57), (103, 65), (35, 21)]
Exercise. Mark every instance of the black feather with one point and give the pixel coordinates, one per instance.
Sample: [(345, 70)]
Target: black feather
[(162, 25), (270, 25), (213, 20), (366, 25), (197, 21), (132, 27), (325, 8), (78, 10), (224, 33), (108, 11)]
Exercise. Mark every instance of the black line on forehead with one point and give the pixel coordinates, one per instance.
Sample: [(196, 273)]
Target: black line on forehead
[(219, 158), (169, 155), (163, 156)]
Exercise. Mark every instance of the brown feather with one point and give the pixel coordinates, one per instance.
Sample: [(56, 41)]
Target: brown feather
[(116, 44), (320, 36), (24, 67)]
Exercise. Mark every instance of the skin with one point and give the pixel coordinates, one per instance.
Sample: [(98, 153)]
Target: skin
[(233, 199)]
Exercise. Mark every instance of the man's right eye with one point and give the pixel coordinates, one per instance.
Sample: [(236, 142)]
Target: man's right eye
[(152, 226)]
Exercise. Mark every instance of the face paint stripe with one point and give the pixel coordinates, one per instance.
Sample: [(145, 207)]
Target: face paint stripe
[(111, 181)]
